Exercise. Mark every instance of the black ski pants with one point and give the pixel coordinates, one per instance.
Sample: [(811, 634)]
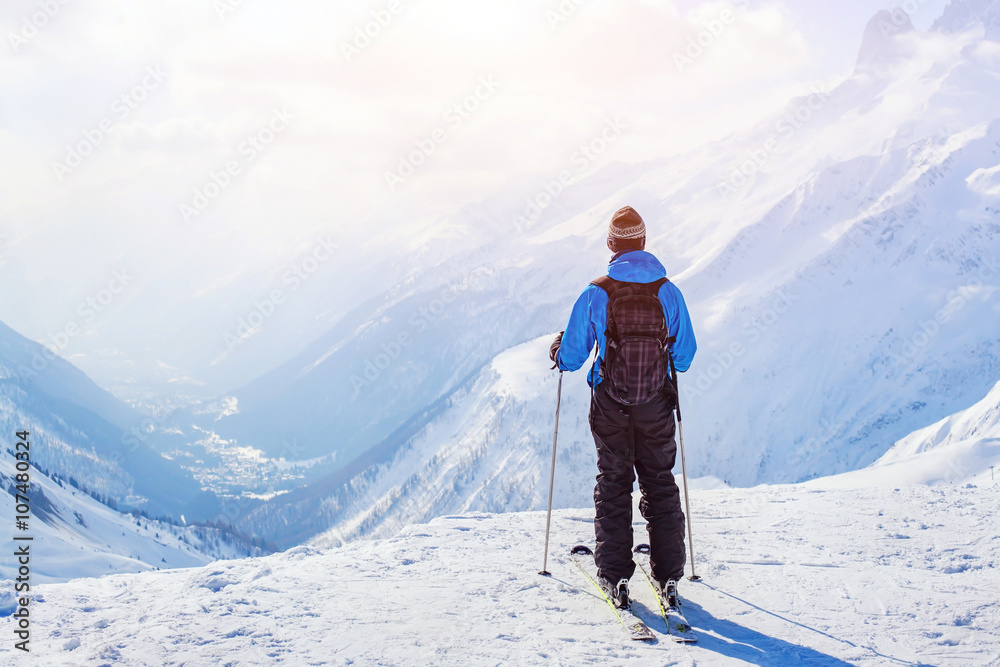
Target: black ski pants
[(636, 440)]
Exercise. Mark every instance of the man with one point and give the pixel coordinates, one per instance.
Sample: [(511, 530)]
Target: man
[(633, 399)]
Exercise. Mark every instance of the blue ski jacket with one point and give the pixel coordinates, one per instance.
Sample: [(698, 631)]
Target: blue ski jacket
[(588, 321)]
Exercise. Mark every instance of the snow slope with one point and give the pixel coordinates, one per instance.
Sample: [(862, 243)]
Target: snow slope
[(961, 449), (76, 536), (792, 576), (487, 449)]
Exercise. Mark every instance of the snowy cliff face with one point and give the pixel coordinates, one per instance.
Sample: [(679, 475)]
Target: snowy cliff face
[(979, 422), (863, 324), (961, 449), (881, 46), (963, 15)]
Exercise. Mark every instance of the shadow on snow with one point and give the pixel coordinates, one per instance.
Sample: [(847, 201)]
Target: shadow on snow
[(736, 641)]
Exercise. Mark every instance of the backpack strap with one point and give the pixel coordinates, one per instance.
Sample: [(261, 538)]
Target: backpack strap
[(607, 283), (610, 286), (654, 288)]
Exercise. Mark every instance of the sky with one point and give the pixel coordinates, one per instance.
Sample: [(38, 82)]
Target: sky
[(194, 143)]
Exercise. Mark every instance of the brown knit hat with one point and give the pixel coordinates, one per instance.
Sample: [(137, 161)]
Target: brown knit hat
[(626, 224)]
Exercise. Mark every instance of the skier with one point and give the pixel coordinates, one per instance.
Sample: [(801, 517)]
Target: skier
[(632, 404)]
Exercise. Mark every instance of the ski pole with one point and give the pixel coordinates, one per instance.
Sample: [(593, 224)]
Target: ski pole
[(552, 481), (687, 500)]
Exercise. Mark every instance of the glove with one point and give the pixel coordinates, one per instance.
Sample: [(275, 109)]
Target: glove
[(554, 348)]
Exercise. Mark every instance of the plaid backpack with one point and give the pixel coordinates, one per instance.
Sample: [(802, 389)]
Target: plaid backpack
[(636, 362)]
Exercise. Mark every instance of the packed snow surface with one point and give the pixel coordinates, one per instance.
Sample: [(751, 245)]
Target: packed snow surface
[(793, 575)]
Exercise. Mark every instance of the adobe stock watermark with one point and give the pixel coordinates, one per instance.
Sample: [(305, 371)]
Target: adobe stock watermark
[(582, 159), (813, 445), (420, 321), (563, 12), (902, 16), (454, 117), (908, 349), (35, 22), (220, 180), (699, 44), (365, 35), (785, 129), (294, 276), (138, 434), (223, 8), (87, 313), (752, 331), (121, 109)]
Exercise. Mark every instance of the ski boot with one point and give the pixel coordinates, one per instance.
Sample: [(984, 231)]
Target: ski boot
[(618, 594), (667, 590)]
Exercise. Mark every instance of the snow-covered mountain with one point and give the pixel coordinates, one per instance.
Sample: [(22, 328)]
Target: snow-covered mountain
[(490, 450), (81, 432), (486, 448), (476, 295), (792, 575), (961, 449), (977, 15), (840, 262), (86, 444), (74, 535), (881, 45)]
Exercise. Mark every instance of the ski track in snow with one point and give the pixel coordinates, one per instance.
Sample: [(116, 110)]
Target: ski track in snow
[(793, 575)]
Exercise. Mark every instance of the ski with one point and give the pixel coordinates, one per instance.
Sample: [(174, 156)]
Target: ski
[(677, 626), (583, 557)]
